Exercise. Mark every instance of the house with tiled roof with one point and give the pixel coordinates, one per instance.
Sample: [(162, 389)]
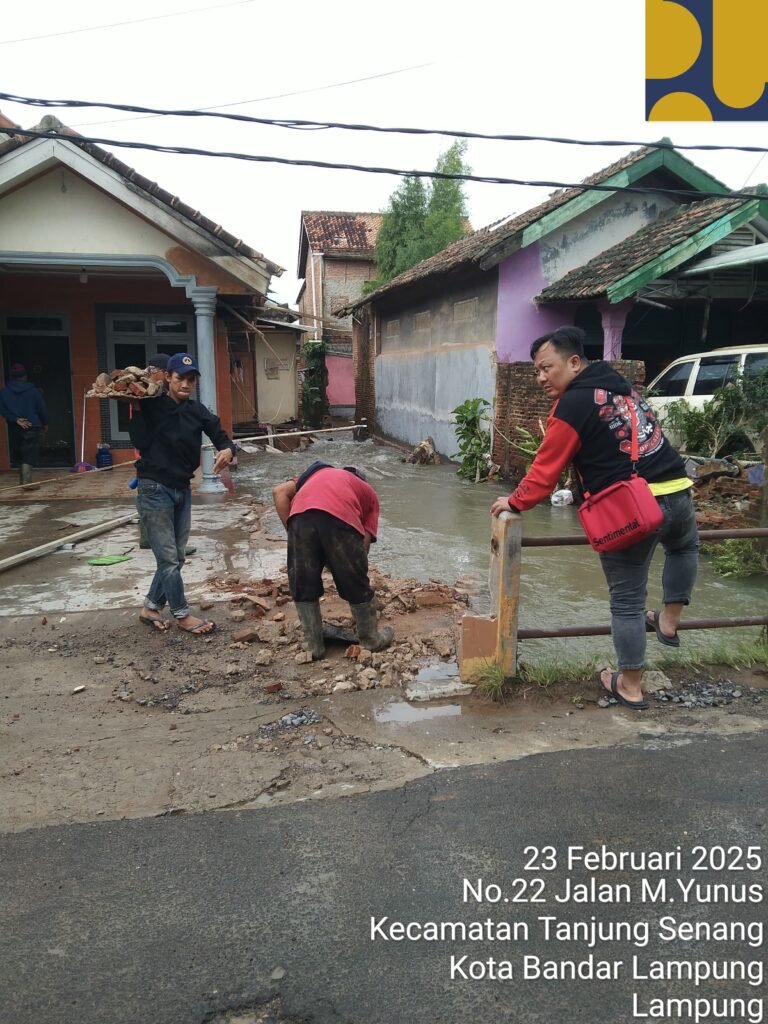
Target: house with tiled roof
[(642, 261), (337, 255), (102, 268)]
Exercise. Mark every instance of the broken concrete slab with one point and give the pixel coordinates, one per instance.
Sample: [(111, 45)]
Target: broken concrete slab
[(437, 689)]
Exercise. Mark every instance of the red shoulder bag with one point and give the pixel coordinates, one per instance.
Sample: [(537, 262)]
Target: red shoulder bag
[(623, 513)]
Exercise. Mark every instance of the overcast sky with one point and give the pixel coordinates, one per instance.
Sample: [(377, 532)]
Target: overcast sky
[(542, 68)]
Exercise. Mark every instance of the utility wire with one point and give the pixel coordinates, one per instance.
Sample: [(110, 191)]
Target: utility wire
[(121, 24), (262, 99), (305, 124), (693, 194)]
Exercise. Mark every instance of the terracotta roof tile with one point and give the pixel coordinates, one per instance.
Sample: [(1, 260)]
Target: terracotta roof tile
[(52, 124), (609, 267), (332, 231), (488, 246)]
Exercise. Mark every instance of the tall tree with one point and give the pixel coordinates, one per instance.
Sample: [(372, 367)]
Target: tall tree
[(421, 220), (447, 206), (401, 237)]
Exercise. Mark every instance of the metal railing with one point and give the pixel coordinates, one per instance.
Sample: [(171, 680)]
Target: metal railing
[(494, 637)]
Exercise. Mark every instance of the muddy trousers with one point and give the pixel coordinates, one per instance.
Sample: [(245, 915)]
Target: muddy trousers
[(25, 449), (166, 513), (317, 540), (627, 575)]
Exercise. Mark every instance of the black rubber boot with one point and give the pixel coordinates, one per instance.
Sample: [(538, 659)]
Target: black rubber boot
[(368, 635), (311, 620)]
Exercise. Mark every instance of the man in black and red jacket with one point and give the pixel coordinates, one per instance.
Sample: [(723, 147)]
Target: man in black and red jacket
[(589, 426)]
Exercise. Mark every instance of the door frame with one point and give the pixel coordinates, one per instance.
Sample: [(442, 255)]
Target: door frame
[(63, 332)]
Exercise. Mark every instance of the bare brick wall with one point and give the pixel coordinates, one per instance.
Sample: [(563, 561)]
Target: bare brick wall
[(520, 402), (343, 282), (363, 359)]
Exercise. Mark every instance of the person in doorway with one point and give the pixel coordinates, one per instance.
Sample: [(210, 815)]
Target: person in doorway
[(167, 432), (23, 406), (590, 425), (332, 518), (157, 366)]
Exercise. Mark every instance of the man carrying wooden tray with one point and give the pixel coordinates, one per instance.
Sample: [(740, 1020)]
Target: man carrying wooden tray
[(167, 431)]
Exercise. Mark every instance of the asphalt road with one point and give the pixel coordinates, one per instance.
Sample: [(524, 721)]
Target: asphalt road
[(188, 919)]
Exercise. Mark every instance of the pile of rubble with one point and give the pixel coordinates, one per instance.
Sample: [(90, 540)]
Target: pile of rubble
[(132, 382), (702, 694), (726, 495), (270, 631)]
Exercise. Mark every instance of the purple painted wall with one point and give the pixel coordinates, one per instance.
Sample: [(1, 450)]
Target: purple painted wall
[(519, 320), (341, 380)]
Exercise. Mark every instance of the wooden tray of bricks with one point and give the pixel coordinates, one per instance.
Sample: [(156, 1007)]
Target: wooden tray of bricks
[(128, 384)]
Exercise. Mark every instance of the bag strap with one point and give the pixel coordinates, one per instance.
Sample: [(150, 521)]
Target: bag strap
[(634, 447)]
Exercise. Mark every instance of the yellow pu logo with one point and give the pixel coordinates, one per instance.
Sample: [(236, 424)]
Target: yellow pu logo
[(706, 60)]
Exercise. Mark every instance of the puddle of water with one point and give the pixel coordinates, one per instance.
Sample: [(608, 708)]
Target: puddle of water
[(438, 672), (436, 525), (404, 713)]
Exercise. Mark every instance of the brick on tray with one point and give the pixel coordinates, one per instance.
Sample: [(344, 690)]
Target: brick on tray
[(130, 382)]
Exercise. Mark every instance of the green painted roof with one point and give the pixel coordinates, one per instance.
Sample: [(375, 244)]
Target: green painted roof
[(677, 236), (487, 247)]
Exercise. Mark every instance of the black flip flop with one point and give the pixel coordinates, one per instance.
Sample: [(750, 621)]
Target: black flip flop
[(635, 705), (653, 623), (156, 624), (199, 629)]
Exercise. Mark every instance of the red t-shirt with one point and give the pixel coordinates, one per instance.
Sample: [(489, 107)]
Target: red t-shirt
[(341, 494)]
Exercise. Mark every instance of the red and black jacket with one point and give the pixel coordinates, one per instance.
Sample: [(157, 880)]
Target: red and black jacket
[(589, 425)]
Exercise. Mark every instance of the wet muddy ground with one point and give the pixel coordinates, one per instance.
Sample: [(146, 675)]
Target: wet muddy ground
[(102, 718)]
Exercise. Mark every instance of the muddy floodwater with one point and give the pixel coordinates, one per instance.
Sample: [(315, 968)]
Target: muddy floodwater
[(436, 526)]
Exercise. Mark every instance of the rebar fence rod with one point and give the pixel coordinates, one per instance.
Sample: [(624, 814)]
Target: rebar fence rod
[(579, 539), (492, 639), (546, 634)]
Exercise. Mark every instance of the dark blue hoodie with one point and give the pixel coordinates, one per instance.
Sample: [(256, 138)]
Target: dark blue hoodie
[(21, 400)]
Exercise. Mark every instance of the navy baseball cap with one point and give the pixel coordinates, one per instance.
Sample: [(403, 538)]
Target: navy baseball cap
[(182, 362)]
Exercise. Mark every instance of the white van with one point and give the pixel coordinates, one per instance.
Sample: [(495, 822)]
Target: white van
[(696, 377)]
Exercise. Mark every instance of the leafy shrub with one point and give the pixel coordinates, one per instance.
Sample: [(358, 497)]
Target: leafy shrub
[(723, 425), (738, 558), (474, 437)]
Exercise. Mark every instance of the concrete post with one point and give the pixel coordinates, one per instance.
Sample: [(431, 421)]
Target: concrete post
[(204, 300), (492, 639), (506, 549)]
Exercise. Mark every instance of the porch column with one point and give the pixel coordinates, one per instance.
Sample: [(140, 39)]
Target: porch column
[(204, 301), (614, 318)]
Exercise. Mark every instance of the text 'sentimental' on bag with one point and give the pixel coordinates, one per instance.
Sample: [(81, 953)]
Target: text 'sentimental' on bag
[(706, 60)]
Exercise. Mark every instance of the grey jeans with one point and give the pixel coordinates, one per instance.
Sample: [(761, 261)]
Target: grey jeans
[(627, 575), (166, 514)]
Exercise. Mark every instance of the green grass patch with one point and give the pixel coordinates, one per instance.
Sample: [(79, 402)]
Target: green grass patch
[(738, 558), (491, 682), (550, 672), (741, 652)]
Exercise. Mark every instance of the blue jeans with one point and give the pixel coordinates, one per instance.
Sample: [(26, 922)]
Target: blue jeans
[(166, 513), (627, 575)]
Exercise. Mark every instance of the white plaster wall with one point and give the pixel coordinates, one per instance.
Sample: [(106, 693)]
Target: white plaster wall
[(417, 390), (62, 213), (605, 225), (276, 399)]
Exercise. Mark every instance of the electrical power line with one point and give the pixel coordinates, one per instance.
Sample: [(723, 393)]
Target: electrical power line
[(121, 24), (314, 125), (694, 194), (265, 99)]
